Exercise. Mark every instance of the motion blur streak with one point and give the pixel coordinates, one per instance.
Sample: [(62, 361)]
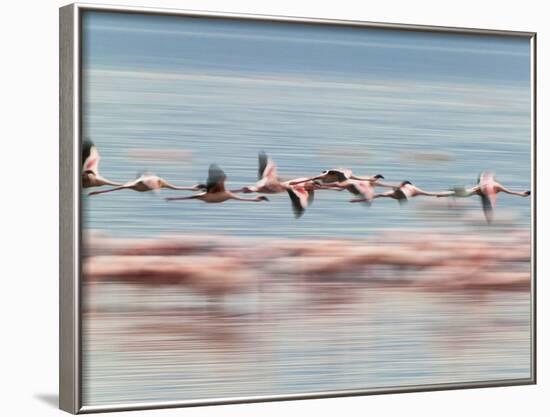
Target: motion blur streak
[(191, 318)]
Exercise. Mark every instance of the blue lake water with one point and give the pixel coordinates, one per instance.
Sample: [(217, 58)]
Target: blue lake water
[(172, 96), (143, 344)]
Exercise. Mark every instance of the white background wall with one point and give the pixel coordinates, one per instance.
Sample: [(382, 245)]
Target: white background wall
[(29, 205)]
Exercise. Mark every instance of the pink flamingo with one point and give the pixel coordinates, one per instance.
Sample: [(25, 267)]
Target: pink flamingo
[(364, 190), (268, 179), (301, 194), (338, 175), (215, 191), (404, 191), (487, 188), (149, 182), (90, 167)]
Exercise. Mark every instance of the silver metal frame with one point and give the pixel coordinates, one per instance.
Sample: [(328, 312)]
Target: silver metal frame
[(70, 385)]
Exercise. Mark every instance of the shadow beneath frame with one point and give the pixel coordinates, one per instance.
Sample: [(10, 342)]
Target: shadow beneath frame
[(49, 399)]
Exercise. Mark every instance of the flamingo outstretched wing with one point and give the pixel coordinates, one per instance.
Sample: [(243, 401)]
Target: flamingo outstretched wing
[(267, 169), (327, 177), (300, 199), (401, 196), (90, 157), (363, 189), (216, 179), (338, 174)]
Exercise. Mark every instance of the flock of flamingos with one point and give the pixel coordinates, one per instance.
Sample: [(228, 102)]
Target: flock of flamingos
[(300, 190)]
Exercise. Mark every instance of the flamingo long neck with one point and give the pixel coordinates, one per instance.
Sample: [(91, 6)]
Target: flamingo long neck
[(236, 197)]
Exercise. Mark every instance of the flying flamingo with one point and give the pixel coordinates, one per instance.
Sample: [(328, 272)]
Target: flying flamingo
[(215, 189), (270, 183), (487, 188), (90, 167), (404, 191), (336, 175), (149, 182), (268, 179), (301, 195), (364, 190)]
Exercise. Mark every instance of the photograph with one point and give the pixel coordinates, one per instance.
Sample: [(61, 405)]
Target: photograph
[(276, 208)]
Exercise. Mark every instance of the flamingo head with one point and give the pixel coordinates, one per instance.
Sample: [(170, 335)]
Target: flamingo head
[(379, 177), (262, 198), (527, 193), (406, 183)]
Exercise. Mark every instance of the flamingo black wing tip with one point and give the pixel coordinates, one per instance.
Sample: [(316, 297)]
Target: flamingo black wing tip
[(310, 197), (262, 164), (401, 197), (297, 208)]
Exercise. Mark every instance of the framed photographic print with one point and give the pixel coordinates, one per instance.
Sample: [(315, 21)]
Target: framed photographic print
[(264, 208)]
